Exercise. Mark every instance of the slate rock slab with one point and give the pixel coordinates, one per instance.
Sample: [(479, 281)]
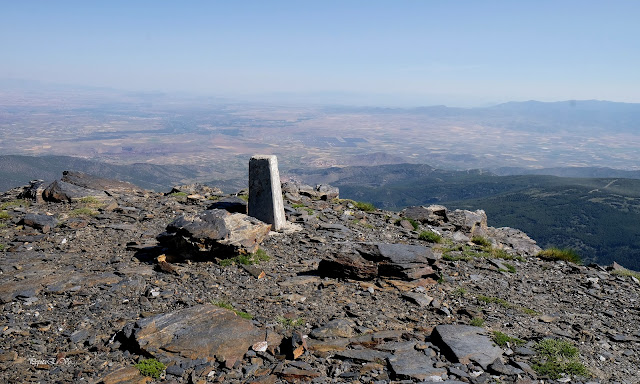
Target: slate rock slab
[(366, 261), (412, 364), (38, 221), (342, 328), (399, 260), (214, 233), (348, 266), (61, 191), (465, 343), (203, 331)]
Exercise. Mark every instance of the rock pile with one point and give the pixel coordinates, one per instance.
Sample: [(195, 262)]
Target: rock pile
[(108, 275)]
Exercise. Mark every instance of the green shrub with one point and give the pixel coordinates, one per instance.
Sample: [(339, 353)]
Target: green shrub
[(430, 237), (82, 212), (459, 292), (509, 268), (290, 323), (4, 215), (15, 203), (502, 339), (225, 305), (481, 241), (366, 207), (494, 300), (151, 367), (179, 194), (477, 322), (244, 197), (626, 272), (2, 246), (556, 357), (250, 259), (297, 205), (449, 257), (561, 254)]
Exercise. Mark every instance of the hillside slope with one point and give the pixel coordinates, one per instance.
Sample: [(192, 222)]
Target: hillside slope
[(597, 216)]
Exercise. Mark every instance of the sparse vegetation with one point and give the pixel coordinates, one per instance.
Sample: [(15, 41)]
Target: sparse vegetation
[(297, 205), (509, 268), (151, 367), (557, 357), (459, 292), (84, 211), (411, 221), (91, 201), (15, 203), (2, 246), (495, 300), (566, 254), (178, 194), (481, 241), (290, 323), (502, 339), (477, 322), (505, 304), (430, 237), (244, 197), (253, 258), (225, 305), (366, 207), (449, 257), (4, 215), (362, 223), (626, 272)]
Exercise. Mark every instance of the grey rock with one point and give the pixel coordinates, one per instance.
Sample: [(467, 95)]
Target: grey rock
[(433, 214), (334, 328), (42, 222), (474, 223), (348, 266), (214, 233), (464, 344), (203, 331), (366, 354), (414, 365), (418, 298)]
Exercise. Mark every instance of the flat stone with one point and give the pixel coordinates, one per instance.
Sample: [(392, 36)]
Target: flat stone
[(42, 222), (328, 345), (412, 364), (203, 331), (61, 191), (418, 298), (127, 375), (348, 266), (334, 328), (214, 233), (404, 261), (368, 355), (465, 343)]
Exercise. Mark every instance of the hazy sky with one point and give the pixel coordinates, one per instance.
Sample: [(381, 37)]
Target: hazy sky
[(418, 52)]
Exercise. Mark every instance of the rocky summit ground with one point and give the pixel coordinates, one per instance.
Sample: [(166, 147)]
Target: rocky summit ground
[(99, 280)]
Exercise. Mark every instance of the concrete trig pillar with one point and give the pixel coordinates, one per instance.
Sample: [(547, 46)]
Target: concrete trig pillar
[(265, 194)]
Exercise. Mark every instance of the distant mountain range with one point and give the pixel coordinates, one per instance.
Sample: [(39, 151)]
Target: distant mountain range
[(16, 170)]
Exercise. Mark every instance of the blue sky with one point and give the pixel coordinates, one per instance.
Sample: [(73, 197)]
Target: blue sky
[(369, 52)]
